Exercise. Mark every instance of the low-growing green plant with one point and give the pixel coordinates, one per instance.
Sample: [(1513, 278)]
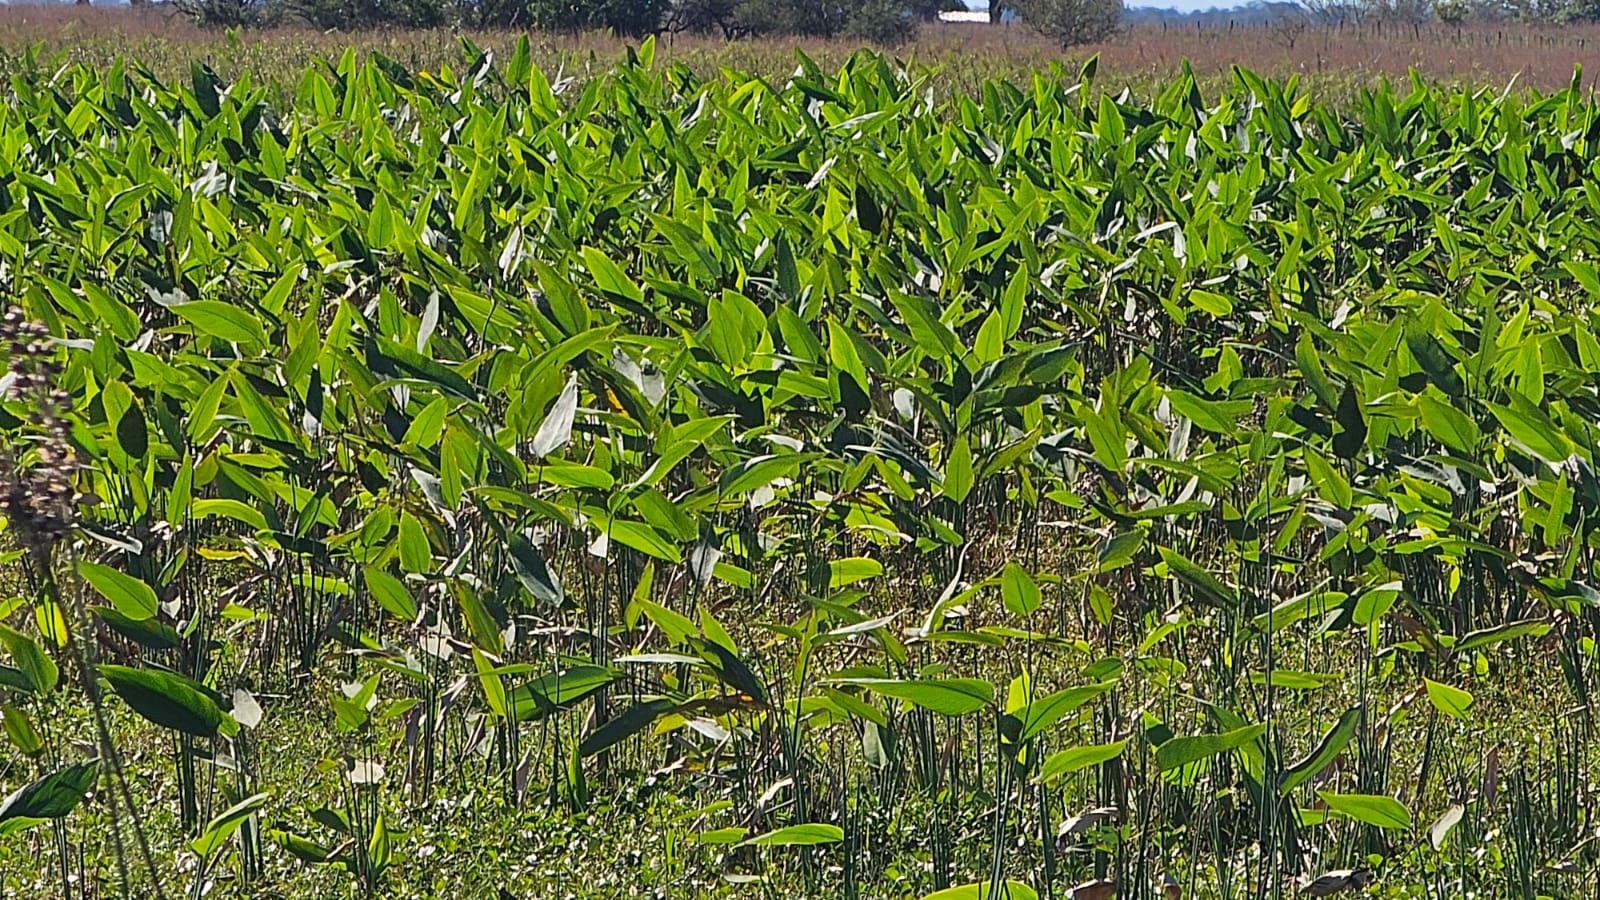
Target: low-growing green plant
[(1038, 492)]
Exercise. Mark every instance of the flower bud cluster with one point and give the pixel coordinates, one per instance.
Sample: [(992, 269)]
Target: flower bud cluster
[(38, 475)]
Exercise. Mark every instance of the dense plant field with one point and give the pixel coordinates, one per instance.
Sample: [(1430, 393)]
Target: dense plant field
[(473, 483)]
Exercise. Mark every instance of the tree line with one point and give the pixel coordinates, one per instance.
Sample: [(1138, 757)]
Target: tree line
[(886, 22)]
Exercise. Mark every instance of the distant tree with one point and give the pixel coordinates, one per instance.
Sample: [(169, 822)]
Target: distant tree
[(887, 23), (1579, 11), (634, 18), (1072, 22), (351, 15), (1337, 12), (705, 17), (230, 13)]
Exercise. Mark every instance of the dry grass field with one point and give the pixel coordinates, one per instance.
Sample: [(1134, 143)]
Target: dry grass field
[(1330, 61)]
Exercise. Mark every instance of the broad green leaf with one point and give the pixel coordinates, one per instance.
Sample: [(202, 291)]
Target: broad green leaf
[(1452, 701), (748, 475), (848, 571), (1373, 809), (223, 320), (948, 696), (1181, 751), (1018, 590), (1331, 745), (224, 824), (132, 597), (150, 633), (626, 724), (1216, 417), (1203, 582), (610, 277), (391, 594), (1496, 634), (37, 669), (981, 890), (1076, 759), (20, 731), (1376, 601), (1450, 426), (798, 836), (1348, 441), (559, 690), (1533, 431), (675, 625), (730, 835), (168, 700), (958, 474), (1048, 710), (50, 797)]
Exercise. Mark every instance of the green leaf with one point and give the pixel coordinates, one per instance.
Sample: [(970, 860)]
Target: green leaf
[(1307, 358), (958, 475), (1216, 417), (20, 730), (1018, 590), (921, 319), (559, 690), (222, 320), (844, 572), (1435, 361), (133, 433), (1373, 809), (1508, 632), (1528, 427), (150, 633), (51, 797), (132, 597), (1211, 302), (1181, 751), (298, 847), (1048, 710), (947, 696), (1375, 601), (391, 594), (1078, 758), (1295, 681), (167, 699), (730, 835), (675, 625), (733, 671), (395, 360), (629, 722), (533, 573), (1331, 745), (1452, 701), (38, 669), (748, 475), (798, 836), (1208, 585), (1450, 426), (1353, 423), (609, 277), (980, 890), (643, 538), (224, 824)]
